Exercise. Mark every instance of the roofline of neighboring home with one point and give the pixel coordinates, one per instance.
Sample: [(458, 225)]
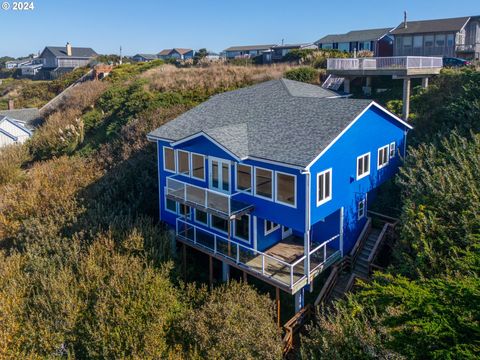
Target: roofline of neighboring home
[(373, 103), (15, 124), (6, 133), (429, 32)]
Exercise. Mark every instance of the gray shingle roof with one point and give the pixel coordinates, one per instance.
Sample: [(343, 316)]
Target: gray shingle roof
[(355, 35), (250, 47), (279, 120), (428, 26), (77, 52), (147, 56), (30, 116)]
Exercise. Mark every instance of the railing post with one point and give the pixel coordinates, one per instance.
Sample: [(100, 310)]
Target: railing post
[(184, 192), (194, 234), (291, 276), (206, 198), (214, 244), (263, 264), (238, 253)]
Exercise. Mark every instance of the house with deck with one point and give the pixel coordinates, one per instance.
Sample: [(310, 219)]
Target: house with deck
[(144, 57), (176, 53), (275, 179), (452, 37), (246, 51), (379, 41), (13, 131)]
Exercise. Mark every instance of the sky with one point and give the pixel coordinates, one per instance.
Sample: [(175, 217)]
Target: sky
[(148, 26)]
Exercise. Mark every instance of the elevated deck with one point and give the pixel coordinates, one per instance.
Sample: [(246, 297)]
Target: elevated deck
[(396, 66), (282, 265)]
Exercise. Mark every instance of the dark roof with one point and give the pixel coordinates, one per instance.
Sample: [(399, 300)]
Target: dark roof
[(250, 47), (77, 52), (429, 26), (181, 51), (355, 35), (147, 56), (31, 116), (280, 120), (292, 46)]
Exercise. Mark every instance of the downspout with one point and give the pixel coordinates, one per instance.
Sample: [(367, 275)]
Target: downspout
[(307, 224)]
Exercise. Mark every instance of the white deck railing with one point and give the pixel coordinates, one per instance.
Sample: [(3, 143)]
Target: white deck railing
[(264, 264), (385, 63), (205, 198)]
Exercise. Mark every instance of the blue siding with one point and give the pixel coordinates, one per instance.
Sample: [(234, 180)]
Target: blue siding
[(373, 130)]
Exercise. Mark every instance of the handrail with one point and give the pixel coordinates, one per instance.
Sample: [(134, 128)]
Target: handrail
[(362, 238), (387, 217), (328, 286), (391, 62), (293, 326), (379, 240)]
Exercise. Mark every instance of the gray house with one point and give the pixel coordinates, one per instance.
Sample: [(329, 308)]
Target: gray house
[(176, 53), (144, 57), (66, 56), (279, 51), (247, 51), (453, 37), (379, 41)]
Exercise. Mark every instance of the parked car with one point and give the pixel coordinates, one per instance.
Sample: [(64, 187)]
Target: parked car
[(455, 62)]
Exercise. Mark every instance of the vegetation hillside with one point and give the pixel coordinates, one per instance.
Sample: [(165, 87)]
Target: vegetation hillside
[(87, 272)]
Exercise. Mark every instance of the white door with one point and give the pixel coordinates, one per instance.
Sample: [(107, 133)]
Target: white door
[(286, 232), (219, 175)]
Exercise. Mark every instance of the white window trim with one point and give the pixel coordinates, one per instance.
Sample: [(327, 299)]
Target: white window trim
[(378, 157), (204, 167), (189, 163), (275, 184), (331, 187), (273, 229), (252, 175), (210, 167), (189, 217), (200, 222), (174, 160), (364, 209), (255, 183), (249, 228), (210, 225), (394, 146), (167, 209), (369, 165)]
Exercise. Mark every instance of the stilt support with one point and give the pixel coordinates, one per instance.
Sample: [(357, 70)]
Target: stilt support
[(277, 291), (184, 261), (299, 300), (245, 277), (406, 98), (210, 267), (425, 82), (225, 272)]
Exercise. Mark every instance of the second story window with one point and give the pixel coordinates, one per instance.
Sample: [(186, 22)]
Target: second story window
[(244, 178), (183, 163), (363, 166), (269, 227), (324, 187), (242, 228), (263, 183), (169, 159), (361, 209), (382, 157), (285, 188), (198, 167), (392, 149)]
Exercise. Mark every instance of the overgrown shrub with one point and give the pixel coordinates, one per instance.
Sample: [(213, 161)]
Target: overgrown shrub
[(304, 74)]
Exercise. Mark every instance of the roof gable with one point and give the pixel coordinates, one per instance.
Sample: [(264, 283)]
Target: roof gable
[(355, 35), (429, 26), (250, 47), (6, 133), (15, 124), (77, 52)]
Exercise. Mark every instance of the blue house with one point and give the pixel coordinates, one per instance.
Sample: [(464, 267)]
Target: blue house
[(275, 179)]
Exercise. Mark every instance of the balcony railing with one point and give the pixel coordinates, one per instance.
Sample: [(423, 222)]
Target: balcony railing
[(385, 63), (208, 200), (288, 274)]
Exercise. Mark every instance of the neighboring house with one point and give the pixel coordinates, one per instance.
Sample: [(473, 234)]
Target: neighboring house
[(58, 60), (276, 179), (379, 41), (248, 51), (144, 57), (12, 131), (12, 64), (454, 37), (212, 56), (279, 51), (31, 117), (176, 53), (31, 68)]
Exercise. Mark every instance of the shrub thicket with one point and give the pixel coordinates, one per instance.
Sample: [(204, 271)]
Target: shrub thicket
[(305, 74)]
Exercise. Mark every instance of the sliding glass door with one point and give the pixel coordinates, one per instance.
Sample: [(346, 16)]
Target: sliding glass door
[(219, 175)]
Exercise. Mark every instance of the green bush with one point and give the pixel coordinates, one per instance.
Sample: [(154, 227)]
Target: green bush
[(305, 74)]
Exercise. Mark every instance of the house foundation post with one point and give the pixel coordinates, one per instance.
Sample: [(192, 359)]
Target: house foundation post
[(245, 277), (225, 272), (184, 261), (425, 82), (299, 300), (277, 296), (346, 85), (406, 98), (210, 271)]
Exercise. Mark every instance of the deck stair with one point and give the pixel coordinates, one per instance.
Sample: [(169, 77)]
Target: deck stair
[(333, 82)]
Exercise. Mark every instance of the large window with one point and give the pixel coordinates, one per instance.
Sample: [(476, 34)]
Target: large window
[(382, 157), (345, 46), (171, 205), (450, 40), (428, 40), (440, 40), (324, 187), (244, 178), (184, 210), (183, 163), (418, 41), (363, 166), (407, 42), (285, 185), (219, 224), (263, 183), (201, 216), (198, 167), (269, 227), (169, 159), (242, 228)]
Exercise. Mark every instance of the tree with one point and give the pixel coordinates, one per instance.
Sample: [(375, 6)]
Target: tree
[(305, 74)]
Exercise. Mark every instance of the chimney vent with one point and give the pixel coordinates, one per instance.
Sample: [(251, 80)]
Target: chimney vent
[(405, 20), (11, 104), (69, 49)]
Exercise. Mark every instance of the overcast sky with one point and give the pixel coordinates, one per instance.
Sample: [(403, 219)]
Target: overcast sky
[(149, 26)]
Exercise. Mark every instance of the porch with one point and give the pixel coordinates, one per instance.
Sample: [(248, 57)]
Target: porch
[(282, 265)]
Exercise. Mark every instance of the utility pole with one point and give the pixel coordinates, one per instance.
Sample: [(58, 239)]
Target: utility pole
[(121, 55)]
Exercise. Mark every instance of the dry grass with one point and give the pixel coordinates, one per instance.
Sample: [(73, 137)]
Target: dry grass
[(211, 78)]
